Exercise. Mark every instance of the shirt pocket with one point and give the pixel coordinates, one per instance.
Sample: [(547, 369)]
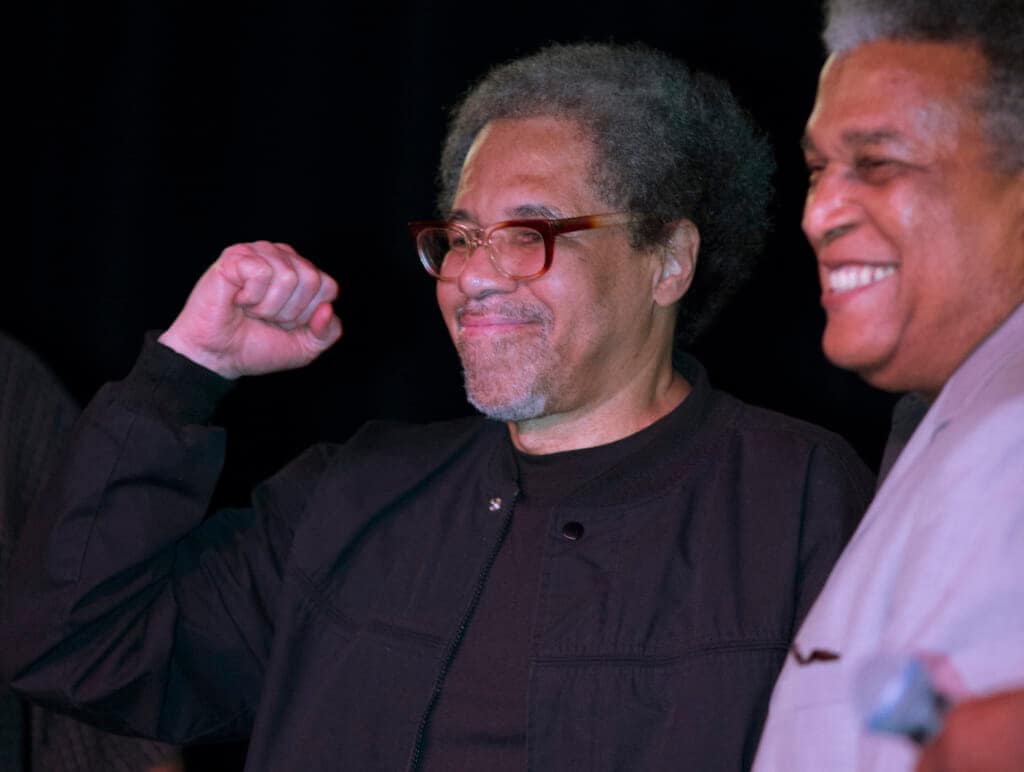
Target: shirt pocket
[(813, 723)]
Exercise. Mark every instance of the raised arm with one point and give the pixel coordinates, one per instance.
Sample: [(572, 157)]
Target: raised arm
[(128, 604)]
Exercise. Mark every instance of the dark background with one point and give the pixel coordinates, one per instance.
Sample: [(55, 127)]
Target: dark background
[(162, 132)]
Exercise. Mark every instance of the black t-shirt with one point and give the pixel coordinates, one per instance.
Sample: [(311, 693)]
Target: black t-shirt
[(480, 719)]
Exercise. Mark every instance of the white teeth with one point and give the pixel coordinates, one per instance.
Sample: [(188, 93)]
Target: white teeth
[(851, 277)]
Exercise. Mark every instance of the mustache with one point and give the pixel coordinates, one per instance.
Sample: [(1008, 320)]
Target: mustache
[(516, 311)]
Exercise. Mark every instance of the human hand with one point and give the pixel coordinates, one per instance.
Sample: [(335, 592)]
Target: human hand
[(980, 734), (259, 308)]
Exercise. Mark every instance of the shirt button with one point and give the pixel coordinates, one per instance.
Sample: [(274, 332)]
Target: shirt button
[(494, 504), (572, 530)]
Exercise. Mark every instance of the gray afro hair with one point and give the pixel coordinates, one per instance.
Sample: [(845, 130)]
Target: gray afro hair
[(669, 143)]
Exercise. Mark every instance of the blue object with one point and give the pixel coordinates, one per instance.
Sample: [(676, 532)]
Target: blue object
[(896, 695)]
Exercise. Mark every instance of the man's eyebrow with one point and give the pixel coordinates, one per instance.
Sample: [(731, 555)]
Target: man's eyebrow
[(859, 138), (536, 210), (459, 214), (807, 144), (523, 211)]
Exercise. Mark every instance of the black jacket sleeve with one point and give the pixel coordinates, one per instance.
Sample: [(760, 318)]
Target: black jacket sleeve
[(837, 492), (132, 602)]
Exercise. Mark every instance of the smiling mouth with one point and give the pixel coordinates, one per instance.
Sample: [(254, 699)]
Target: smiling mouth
[(488, 324), (496, 318), (851, 277)]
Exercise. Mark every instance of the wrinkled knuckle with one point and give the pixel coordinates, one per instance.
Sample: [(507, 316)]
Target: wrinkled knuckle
[(236, 251), (308, 271), (289, 280), (259, 268)]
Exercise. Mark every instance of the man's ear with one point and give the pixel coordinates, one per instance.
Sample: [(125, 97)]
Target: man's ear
[(679, 261)]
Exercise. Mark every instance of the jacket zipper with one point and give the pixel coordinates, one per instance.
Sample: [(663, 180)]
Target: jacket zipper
[(421, 731)]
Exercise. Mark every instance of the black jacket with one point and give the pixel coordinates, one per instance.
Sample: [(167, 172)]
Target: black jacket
[(322, 620)]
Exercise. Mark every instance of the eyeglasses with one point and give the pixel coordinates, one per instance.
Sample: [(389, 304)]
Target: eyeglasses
[(518, 249)]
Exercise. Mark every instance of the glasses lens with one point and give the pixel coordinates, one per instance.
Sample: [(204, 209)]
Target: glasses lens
[(518, 250), (442, 250)]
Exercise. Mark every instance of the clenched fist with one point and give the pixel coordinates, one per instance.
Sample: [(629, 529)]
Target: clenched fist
[(260, 308)]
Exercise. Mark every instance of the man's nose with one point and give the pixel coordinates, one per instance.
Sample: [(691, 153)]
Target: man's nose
[(480, 276), (829, 209)]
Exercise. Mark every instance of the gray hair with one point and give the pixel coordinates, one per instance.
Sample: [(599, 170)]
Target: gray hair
[(995, 27), (668, 142)]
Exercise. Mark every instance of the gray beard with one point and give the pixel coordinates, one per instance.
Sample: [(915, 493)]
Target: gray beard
[(511, 383), (513, 380), (523, 409)]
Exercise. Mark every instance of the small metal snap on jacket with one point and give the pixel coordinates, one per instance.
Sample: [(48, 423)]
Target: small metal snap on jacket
[(494, 504), (572, 530)]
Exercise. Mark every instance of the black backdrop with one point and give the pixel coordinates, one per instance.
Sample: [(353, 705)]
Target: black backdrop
[(162, 132)]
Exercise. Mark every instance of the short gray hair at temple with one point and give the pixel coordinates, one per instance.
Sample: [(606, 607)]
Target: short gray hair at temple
[(669, 142), (994, 27)]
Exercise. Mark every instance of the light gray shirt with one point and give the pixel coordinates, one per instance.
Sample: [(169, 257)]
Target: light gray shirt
[(936, 568)]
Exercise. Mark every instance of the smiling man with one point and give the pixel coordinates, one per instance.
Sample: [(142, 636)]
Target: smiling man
[(916, 212), (603, 572), (579, 359)]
